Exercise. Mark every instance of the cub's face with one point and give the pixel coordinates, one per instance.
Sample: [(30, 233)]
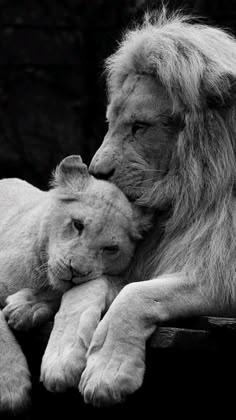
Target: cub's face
[(90, 234)]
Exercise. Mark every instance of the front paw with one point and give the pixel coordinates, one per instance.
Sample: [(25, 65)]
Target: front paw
[(65, 357), (115, 369), (62, 370), (15, 385), (24, 310)]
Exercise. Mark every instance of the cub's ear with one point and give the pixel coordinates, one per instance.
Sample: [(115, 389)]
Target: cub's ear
[(72, 173)]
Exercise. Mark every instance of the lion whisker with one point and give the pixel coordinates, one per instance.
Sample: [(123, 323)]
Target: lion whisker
[(153, 170)]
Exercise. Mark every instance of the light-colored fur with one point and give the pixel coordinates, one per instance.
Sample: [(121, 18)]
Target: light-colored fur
[(40, 244), (171, 147), (79, 230), (196, 66), (80, 313)]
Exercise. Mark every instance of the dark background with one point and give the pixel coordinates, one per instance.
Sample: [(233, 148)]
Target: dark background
[(52, 92), (52, 104)]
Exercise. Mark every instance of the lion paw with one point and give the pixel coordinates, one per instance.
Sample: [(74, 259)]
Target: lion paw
[(114, 370), (24, 310), (61, 371), (103, 385), (65, 357)]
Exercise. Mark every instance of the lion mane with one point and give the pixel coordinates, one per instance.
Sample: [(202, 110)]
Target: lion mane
[(196, 64), (170, 147)]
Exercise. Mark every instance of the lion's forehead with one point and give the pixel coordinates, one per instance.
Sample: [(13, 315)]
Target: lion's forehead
[(139, 94), (107, 213), (105, 225), (103, 210)]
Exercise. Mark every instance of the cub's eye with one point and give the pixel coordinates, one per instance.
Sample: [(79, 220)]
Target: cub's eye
[(139, 125), (79, 226), (112, 249)]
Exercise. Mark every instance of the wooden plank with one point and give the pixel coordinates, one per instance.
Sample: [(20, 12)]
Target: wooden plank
[(202, 333), (213, 323), (206, 333), (205, 323), (180, 338)]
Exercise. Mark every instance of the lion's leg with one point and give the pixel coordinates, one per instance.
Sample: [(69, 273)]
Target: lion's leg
[(80, 312), (15, 384), (116, 358), (30, 308)]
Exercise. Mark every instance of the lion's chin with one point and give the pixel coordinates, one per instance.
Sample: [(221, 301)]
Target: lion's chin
[(61, 284), (84, 279)]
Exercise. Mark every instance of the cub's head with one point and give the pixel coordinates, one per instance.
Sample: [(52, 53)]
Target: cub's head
[(92, 227)]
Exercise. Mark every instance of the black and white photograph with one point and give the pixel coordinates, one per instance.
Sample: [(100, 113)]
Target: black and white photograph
[(117, 209)]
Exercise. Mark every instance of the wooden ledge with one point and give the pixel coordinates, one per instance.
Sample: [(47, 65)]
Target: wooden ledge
[(205, 333), (202, 333)]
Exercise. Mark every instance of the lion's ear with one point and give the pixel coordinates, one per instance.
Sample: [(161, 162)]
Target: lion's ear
[(71, 172)]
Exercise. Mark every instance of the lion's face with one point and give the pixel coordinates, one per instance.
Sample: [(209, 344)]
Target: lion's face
[(137, 148), (90, 234)]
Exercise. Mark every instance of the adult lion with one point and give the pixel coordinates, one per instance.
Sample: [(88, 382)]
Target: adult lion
[(171, 147)]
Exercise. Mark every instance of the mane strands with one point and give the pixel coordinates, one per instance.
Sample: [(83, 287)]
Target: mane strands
[(196, 65), (181, 55)]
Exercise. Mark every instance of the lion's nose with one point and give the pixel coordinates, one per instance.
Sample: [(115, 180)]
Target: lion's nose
[(101, 172), (102, 165)]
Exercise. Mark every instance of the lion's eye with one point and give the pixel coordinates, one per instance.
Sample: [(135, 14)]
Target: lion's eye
[(112, 249), (79, 226), (139, 125)]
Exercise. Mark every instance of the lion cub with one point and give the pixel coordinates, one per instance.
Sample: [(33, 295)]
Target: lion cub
[(79, 230)]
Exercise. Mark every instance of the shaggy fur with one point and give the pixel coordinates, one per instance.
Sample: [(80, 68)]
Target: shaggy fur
[(73, 233), (197, 66), (171, 146)]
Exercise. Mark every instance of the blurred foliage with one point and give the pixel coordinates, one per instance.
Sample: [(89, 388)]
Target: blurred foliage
[(52, 92)]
